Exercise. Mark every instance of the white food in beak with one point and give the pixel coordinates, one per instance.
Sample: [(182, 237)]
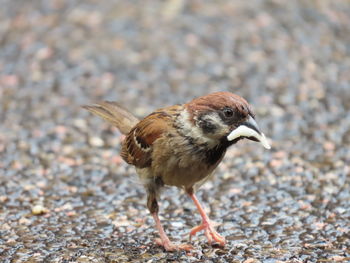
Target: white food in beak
[(244, 131)]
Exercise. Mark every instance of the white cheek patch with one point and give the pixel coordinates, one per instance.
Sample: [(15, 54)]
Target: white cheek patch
[(244, 131), (214, 117), (192, 131)]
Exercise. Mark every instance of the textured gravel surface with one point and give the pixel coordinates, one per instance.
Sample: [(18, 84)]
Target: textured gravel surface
[(66, 195)]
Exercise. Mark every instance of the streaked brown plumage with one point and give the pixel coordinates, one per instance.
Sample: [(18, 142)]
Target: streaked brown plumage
[(181, 146)]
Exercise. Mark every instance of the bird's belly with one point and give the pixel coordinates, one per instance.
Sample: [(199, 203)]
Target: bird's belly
[(183, 172)]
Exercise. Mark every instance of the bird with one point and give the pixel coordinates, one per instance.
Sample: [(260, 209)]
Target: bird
[(181, 146)]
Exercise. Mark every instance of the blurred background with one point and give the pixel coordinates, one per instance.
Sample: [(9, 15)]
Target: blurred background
[(66, 195)]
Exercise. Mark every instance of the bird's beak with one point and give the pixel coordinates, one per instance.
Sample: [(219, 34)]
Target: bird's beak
[(249, 129)]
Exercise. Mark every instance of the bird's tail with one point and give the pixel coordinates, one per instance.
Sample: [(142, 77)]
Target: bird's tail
[(114, 114)]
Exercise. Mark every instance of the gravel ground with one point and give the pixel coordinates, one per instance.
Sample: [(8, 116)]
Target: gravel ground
[(66, 195)]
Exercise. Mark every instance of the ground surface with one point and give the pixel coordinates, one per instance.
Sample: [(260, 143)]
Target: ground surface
[(66, 196)]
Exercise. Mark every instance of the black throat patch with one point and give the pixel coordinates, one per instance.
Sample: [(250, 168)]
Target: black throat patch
[(213, 155)]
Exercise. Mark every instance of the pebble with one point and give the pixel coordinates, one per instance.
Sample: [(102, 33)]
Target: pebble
[(38, 210), (96, 141)]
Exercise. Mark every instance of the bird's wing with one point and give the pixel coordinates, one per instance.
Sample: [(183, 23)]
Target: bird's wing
[(138, 145)]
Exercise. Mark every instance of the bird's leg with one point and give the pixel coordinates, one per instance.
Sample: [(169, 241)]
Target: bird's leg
[(207, 225), (164, 241)]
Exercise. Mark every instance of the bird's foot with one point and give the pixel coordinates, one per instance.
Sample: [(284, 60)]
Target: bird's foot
[(169, 246), (210, 233)]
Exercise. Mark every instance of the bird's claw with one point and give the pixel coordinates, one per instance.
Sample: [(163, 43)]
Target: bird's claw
[(209, 232), (169, 246)]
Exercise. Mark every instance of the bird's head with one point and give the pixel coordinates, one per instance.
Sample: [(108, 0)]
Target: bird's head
[(224, 116)]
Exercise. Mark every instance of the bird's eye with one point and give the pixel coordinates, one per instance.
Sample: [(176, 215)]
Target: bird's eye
[(228, 112)]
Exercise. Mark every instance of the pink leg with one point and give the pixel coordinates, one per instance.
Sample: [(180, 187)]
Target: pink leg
[(206, 225), (164, 240)]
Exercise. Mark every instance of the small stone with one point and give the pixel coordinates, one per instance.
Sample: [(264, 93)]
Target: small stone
[(3, 198), (338, 258), (24, 221), (172, 8), (177, 224), (38, 210), (80, 123), (71, 213), (11, 242), (96, 142), (251, 260), (329, 146)]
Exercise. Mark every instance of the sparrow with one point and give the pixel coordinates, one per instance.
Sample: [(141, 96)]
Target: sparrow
[(180, 146)]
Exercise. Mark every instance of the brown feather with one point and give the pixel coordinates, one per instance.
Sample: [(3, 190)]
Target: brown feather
[(217, 101), (138, 145)]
